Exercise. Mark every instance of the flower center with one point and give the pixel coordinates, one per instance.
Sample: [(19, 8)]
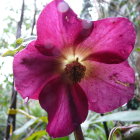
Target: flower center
[(75, 71)]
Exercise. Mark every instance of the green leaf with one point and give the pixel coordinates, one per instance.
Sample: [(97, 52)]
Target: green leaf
[(13, 52), (19, 41), (9, 53), (44, 119), (37, 135), (137, 49), (115, 133), (24, 127), (64, 138), (121, 116)]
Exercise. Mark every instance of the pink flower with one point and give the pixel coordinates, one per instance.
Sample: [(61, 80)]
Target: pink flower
[(76, 65)]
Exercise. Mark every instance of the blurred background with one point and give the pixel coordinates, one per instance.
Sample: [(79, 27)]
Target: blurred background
[(27, 121)]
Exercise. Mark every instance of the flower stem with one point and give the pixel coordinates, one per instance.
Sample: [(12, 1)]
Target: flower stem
[(78, 134)]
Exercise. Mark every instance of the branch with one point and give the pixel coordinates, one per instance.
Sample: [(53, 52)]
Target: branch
[(34, 17), (18, 34), (106, 128), (11, 121)]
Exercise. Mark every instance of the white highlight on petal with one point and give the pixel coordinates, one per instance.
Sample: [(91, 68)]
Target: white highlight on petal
[(86, 24), (63, 7), (67, 19), (26, 100)]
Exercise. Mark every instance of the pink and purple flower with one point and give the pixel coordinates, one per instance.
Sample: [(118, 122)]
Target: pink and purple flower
[(76, 65)]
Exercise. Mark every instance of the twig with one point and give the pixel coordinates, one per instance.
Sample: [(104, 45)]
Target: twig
[(101, 9), (18, 33), (34, 17), (106, 128)]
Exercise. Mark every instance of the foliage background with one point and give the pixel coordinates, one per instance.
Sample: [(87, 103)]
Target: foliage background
[(31, 119)]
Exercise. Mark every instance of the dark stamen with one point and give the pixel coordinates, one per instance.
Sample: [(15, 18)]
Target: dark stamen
[(75, 71)]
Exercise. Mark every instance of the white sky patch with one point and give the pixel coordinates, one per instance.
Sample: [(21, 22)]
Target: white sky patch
[(76, 5), (6, 69)]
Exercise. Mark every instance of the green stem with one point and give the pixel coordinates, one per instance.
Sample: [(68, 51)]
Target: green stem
[(78, 134)]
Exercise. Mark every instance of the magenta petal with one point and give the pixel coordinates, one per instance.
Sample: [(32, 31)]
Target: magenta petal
[(31, 71), (58, 27), (109, 87), (111, 40), (66, 105)]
